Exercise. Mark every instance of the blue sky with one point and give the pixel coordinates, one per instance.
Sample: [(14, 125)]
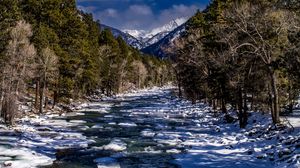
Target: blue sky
[(140, 14)]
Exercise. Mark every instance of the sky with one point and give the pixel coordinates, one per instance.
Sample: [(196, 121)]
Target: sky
[(140, 14)]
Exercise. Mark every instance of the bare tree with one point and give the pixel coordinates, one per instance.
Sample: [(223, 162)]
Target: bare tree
[(265, 35), (140, 72), (17, 69), (47, 72)]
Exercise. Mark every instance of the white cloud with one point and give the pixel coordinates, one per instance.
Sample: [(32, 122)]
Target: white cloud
[(141, 16), (88, 9), (140, 10), (177, 11), (111, 12)]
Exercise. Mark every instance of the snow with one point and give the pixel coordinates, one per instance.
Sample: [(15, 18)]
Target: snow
[(294, 118), (148, 133), (115, 145), (206, 141), (107, 162), (129, 39), (127, 124), (33, 141), (152, 36), (22, 158), (193, 134)]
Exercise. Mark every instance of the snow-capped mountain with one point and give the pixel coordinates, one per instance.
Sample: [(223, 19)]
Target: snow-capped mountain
[(153, 36), (158, 48), (151, 42), (129, 39)]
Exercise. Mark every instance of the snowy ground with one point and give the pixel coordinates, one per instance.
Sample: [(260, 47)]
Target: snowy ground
[(34, 141), (191, 134), (294, 119)]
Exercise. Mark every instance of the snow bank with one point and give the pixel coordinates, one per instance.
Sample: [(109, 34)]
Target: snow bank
[(34, 140), (22, 158)]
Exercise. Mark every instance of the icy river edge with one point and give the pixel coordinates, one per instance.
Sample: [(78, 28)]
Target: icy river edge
[(151, 126)]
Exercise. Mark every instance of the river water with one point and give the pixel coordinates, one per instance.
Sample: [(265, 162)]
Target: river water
[(148, 129), (130, 127)]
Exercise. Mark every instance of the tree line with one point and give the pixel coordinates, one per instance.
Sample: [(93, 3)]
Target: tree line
[(243, 55), (52, 52)]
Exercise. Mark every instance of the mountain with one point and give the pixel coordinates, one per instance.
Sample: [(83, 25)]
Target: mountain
[(153, 41), (158, 48), (153, 36), (129, 39)]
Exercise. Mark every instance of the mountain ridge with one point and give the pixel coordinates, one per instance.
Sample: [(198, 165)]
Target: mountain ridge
[(155, 41), (158, 48), (152, 36), (129, 39)]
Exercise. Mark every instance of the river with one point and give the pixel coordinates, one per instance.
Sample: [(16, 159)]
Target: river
[(148, 129)]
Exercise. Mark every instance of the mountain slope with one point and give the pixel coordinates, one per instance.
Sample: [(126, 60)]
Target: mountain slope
[(158, 48), (155, 35), (129, 39)]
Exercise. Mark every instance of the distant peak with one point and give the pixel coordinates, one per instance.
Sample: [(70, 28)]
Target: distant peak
[(145, 36)]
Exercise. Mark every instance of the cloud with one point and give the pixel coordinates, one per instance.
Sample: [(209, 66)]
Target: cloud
[(140, 10), (132, 17), (87, 9), (108, 14), (177, 11), (138, 14), (111, 13)]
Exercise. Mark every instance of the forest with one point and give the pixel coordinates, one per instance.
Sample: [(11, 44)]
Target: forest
[(53, 52), (241, 55)]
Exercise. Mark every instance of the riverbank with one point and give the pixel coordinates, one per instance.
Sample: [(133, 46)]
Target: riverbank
[(34, 139), (146, 128)]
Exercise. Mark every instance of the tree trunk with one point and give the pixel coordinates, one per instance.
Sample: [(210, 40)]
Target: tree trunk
[(245, 111), (214, 105), (271, 102), (37, 87), (54, 98), (224, 109), (55, 94), (41, 97), (46, 96), (275, 98), (240, 107), (139, 81), (290, 99), (179, 86), (252, 102)]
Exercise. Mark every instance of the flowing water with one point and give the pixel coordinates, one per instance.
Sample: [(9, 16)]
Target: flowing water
[(123, 123), (149, 129)]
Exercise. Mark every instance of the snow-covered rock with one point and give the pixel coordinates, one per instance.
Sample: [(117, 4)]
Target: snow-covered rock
[(129, 124), (107, 162), (115, 145), (148, 133)]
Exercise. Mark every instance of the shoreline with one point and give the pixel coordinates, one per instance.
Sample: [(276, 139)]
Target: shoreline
[(24, 142)]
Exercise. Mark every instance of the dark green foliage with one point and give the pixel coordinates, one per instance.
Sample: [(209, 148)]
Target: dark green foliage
[(89, 59), (10, 13)]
